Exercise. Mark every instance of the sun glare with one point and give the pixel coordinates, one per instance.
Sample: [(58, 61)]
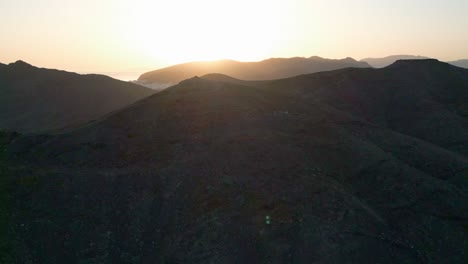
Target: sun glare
[(179, 31)]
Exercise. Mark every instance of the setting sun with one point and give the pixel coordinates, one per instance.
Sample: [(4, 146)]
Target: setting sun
[(179, 31), (130, 37)]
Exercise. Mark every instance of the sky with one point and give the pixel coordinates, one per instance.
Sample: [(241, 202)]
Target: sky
[(125, 37)]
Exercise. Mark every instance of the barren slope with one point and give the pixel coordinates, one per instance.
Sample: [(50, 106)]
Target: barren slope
[(352, 166)]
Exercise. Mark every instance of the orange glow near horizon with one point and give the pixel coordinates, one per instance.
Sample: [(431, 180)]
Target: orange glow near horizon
[(141, 35)]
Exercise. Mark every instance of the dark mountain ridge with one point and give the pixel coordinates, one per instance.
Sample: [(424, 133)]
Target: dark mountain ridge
[(37, 99), (353, 165)]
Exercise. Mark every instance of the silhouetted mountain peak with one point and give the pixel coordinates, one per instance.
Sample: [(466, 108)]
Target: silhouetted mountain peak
[(219, 77), (316, 58), (349, 59), (193, 80), (215, 75), (387, 61), (416, 63), (20, 63)]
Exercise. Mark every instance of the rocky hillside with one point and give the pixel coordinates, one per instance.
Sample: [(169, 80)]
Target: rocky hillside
[(346, 166)]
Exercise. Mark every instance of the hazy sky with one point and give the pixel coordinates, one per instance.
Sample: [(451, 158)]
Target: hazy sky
[(137, 35)]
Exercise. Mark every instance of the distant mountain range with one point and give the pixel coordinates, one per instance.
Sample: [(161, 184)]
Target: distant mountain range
[(460, 63), (383, 62), (356, 165), (274, 68), (35, 99)]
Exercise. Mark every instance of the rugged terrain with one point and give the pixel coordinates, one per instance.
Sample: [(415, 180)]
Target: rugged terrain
[(351, 166)]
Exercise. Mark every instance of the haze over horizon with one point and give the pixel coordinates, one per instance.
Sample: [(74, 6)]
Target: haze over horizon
[(135, 36), (247, 131)]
